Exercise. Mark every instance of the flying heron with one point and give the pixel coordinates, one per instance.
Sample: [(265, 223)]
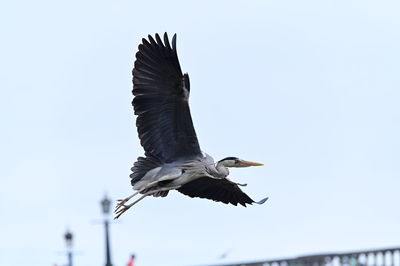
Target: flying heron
[(173, 158)]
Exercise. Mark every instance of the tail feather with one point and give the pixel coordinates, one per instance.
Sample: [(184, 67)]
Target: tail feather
[(142, 166)]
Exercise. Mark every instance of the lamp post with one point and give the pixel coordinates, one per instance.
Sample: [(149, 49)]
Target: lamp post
[(68, 239), (105, 205)]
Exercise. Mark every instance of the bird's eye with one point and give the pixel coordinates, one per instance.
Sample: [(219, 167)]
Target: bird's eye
[(236, 161)]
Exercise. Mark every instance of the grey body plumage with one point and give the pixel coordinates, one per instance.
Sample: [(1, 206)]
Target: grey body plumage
[(173, 158)]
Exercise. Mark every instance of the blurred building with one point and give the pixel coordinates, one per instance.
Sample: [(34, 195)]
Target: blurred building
[(375, 257)]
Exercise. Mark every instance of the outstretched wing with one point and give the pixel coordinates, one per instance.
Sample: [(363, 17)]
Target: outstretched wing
[(222, 190), (161, 93)]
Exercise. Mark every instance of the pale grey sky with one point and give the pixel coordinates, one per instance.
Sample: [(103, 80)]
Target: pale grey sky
[(310, 88)]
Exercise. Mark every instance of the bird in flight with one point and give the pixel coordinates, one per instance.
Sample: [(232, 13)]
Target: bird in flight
[(173, 158)]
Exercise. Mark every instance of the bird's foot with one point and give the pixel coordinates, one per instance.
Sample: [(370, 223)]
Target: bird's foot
[(121, 208), (121, 202)]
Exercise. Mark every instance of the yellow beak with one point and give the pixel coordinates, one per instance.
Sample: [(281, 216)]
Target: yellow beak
[(247, 163)]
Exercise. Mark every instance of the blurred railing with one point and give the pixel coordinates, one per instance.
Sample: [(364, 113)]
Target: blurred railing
[(373, 257)]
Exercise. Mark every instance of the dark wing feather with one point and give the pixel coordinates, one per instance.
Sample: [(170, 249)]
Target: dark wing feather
[(161, 93), (222, 190)]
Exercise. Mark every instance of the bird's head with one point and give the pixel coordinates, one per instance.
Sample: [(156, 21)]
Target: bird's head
[(236, 162)]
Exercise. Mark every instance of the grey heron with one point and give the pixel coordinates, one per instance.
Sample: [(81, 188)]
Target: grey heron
[(173, 158)]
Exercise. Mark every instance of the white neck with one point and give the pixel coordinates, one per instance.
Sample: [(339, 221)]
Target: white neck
[(222, 169)]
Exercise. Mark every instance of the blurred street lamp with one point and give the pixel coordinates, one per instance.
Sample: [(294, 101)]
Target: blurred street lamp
[(68, 240), (106, 206)]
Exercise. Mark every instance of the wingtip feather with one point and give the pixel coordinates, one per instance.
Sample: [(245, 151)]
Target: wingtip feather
[(261, 201), (174, 42), (166, 42), (159, 42)]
